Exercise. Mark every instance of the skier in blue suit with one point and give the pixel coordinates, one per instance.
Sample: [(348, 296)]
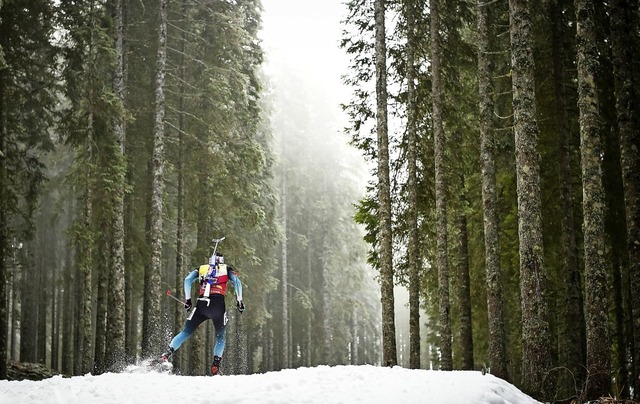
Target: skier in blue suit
[(210, 305)]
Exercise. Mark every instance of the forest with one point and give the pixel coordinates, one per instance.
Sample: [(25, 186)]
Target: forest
[(502, 139)]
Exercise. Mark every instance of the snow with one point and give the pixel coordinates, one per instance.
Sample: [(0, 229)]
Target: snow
[(322, 384)]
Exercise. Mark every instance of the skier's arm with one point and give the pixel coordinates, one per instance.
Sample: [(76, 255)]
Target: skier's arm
[(237, 285), (188, 280)]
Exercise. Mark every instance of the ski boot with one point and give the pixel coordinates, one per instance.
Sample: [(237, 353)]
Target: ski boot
[(215, 366)]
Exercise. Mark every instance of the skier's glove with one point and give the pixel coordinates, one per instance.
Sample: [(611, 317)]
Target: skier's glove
[(187, 304), (240, 306)]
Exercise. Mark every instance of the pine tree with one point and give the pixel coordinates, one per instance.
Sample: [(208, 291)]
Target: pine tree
[(284, 284), (571, 324), (152, 338), (27, 83), (413, 257), (497, 337), (536, 352), (624, 44), (593, 206), (384, 199), (116, 318), (442, 249)]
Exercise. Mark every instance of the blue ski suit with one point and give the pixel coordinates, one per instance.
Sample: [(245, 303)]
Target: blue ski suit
[(210, 304)]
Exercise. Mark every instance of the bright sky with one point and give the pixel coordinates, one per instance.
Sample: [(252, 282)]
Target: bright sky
[(322, 385)]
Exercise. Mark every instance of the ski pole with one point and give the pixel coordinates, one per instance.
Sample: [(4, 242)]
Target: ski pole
[(173, 297)]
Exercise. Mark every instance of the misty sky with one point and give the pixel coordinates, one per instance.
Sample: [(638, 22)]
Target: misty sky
[(301, 42), (305, 35)]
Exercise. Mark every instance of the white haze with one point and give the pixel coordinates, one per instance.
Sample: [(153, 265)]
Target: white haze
[(303, 36)]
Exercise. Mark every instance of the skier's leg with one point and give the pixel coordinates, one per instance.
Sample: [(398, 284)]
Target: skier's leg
[(220, 320), (221, 339), (220, 323), (193, 321)]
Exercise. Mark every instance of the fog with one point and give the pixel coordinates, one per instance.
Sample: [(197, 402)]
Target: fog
[(304, 64), (301, 40)]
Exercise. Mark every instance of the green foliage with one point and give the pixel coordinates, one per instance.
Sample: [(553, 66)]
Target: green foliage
[(366, 216), (27, 106)]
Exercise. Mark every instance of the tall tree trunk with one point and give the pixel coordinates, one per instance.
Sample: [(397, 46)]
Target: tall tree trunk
[(4, 237), (87, 285), (30, 313), (180, 227), (78, 307), (86, 245), (497, 337), (67, 329), (624, 43), (384, 192), (310, 282), (115, 346), (55, 309), (15, 306), (131, 304), (285, 276), (442, 248), (153, 336), (197, 339), (12, 308), (326, 288), (413, 255), (464, 287), (27, 332), (572, 345), (622, 375), (43, 297), (536, 349), (102, 306), (593, 205)]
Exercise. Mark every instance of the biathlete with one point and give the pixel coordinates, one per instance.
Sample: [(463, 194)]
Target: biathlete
[(213, 279)]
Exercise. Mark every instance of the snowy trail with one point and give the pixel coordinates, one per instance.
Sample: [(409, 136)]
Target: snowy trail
[(323, 384)]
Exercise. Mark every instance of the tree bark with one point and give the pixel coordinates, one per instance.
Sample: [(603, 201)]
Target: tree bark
[(593, 205), (536, 349), (197, 339), (43, 297), (497, 337), (4, 235), (87, 284), (115, 346), (285, 276), (442, 247), (102, 306), (67, 329), (413, 255), (153, 341), (571, 346), (624, 45), (464, 288), (384, 193), (180, 197)]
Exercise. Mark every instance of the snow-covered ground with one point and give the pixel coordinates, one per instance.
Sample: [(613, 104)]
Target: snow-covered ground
[(323, 384)]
